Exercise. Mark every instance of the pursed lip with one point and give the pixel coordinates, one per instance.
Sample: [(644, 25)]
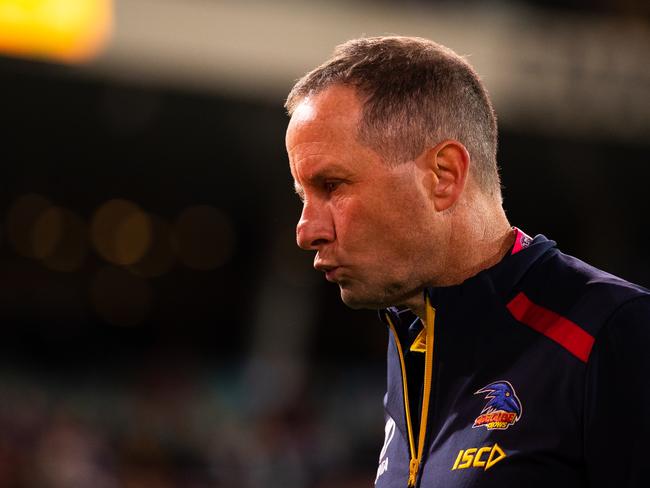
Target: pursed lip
[(330, 269), (331, 274)]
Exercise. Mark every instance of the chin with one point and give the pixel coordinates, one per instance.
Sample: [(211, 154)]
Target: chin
[(386, 297), (358, 301)]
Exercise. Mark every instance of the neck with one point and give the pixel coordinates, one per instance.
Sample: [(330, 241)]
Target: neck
[(479, 236)]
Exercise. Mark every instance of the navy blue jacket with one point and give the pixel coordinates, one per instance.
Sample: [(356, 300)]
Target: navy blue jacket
[(539, 377)]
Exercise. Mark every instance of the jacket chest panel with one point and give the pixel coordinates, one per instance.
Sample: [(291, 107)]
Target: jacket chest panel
[(512, 412)]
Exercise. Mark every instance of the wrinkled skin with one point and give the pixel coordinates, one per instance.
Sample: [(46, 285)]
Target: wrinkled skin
[(374, 227)]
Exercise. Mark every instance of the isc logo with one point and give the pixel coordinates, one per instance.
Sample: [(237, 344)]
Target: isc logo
[(479, 458)]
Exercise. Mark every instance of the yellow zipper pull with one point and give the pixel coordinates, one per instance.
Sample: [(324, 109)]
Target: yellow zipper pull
[(414, 466)]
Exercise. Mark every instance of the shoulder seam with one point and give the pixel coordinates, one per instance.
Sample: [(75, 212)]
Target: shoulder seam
[(606, 323)]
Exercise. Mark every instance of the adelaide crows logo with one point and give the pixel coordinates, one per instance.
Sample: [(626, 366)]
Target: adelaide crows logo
[(503, 408)]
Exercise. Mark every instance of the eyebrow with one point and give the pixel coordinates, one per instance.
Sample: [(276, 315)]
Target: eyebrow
[(332, 171), (320, 175)]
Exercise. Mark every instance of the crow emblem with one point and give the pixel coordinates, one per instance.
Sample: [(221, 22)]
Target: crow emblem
[(503, 408)]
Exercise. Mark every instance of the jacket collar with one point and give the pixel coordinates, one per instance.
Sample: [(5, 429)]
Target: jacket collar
[(500, 279)]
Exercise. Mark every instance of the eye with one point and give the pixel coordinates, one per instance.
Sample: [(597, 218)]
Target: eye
[(330, 186)]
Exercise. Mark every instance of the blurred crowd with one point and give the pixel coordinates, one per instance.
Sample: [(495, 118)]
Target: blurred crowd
[(186, 430)]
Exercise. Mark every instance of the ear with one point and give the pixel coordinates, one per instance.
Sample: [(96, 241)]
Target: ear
[(447, 168)]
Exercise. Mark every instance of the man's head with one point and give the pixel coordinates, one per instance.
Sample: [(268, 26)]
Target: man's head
[(415, 93), (383, 141)]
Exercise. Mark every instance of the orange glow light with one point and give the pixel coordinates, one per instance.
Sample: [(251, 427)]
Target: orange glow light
[(63, 30), (121, 232)]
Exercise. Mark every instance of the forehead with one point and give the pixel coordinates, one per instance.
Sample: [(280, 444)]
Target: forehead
[(328, 117)]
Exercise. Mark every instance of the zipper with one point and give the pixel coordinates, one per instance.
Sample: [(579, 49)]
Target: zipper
[(416, 451)]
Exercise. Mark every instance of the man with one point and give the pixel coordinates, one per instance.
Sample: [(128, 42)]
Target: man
[(509, 363)]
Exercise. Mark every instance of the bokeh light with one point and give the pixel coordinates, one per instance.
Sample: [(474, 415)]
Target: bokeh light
[(64, 30), (21, 218), (119, 297), (121, 232), (47, 232), (59, 239), (203, 237), (159, 258)]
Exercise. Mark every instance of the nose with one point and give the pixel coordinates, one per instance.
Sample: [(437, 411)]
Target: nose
[(315, 227)]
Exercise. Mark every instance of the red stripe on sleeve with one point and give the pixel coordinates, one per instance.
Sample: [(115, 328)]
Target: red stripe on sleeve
[(557, 328)]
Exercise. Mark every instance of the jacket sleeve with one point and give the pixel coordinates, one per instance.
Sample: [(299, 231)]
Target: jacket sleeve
[(617, 400)]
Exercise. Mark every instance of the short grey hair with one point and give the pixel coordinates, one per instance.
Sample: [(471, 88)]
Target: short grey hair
[(416, 93)]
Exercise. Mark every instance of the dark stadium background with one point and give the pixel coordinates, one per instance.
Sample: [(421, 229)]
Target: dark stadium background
[(240, 366)]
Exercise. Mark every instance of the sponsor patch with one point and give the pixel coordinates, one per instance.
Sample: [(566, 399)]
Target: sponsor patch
[(475, 457)]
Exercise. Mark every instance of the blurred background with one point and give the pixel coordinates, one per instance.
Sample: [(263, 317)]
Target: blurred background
[(159, 326)]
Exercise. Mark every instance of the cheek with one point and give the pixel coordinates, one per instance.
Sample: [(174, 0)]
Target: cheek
[(384, 221), (369, 228), (404, 231)]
